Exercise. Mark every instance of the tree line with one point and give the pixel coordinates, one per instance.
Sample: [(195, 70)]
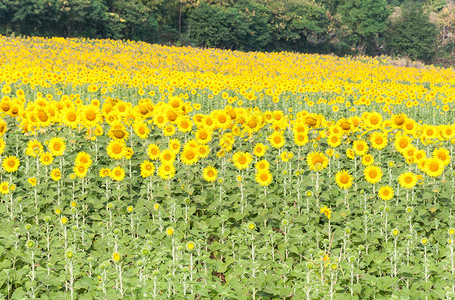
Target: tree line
[(419, 30)]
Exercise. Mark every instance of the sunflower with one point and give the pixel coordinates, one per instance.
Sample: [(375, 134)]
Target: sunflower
[(70, 117), (443, 154), (57, 146), (169, 130), (34, 148), (203, 136), (46, 158), (373, 174), (189, 156), (153, 151), (398, 120), (242, 160), (407, 180), (326, 211), (117, 173), (402, 142), (174, 145), (334, 140), (374, 120), (11, 164), (32, 181), (147, 168), (105, 172), (317, 161), (56, 174), (277, 140), (378, 140), (141, 129), (80, 170), (385, 193), (203, 151), (264, 177), (4, 187), (118, 131), (184, 124), (343, 179), (259, 150), (360, 147), (367, 160), (284, 156), (300, 139), (166, 171), (209, 174), (167, 156), (90, 115), (83, 158), (262, 165), (434, 167)]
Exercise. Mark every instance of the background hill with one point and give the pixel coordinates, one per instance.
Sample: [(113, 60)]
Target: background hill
[(418, 30)]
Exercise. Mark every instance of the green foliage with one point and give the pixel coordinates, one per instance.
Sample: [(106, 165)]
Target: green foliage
[(366, 20), (298, 25), (412, 35), (242, 26)]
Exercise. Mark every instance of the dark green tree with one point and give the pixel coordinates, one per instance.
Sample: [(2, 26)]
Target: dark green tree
[(412, 34), (366, 21)]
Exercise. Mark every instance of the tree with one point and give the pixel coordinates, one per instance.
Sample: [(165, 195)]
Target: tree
[(412, 34), (366, 20)]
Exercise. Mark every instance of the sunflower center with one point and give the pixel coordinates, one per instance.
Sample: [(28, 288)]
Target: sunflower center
[(90, 115), (317, 160), (71, 117), (434, 166), (117, 148), (242, 160), (344, 179)]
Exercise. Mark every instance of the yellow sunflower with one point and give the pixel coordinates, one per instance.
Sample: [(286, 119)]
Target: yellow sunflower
[(56, 174), (443, 154), (153, 151), (343, 179), (385, 193), (277, 140), (117, 173), (4, 187), (167, 156), (434, 167), (174, 145), (242, 160), (262, 165), (11, 164), (360, 147), (317, 161), (210, 174), (166, 171), (378, 140), (373, 174), (46, 158), (116, 149), (147, 168), (83, 158), (80, 170), (57, 146), (264, 177), (189, 156), (105, 172), (334, 140), (407, 180)]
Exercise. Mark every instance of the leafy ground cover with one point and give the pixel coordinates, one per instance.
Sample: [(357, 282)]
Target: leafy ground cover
[(138, 171)]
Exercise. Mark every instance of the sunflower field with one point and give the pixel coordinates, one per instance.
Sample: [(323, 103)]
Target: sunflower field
[(139, 171)]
